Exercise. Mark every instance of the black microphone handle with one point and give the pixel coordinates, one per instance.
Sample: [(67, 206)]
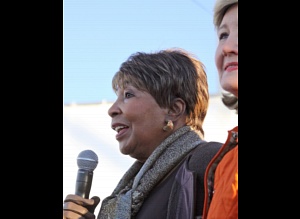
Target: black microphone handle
[(84, 183)]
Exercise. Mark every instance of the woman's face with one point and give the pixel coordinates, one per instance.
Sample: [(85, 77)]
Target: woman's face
[(226, 56), (139, 122)]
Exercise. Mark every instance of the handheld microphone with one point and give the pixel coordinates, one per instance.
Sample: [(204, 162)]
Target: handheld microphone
[(86, 161)]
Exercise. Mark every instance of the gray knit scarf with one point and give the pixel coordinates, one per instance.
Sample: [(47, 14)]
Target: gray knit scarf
[(127, 198)]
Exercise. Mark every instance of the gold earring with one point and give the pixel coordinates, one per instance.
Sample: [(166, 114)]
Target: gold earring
[(169, 126)]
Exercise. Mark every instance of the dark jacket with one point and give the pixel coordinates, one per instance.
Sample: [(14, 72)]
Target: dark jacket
[(182, 189)]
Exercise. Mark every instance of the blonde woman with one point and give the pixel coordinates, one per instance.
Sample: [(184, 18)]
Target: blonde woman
[(221, 178)]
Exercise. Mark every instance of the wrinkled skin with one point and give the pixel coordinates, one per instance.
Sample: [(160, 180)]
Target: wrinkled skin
[(76, 207)]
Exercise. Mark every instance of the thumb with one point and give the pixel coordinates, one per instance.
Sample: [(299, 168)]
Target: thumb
[(92, 207)]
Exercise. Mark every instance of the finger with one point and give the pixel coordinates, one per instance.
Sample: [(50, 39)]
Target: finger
[(96, 202), (89, 215), (71, 215), (78, 199), (73, 207)]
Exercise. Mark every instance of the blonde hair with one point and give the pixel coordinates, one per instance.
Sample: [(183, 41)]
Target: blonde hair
[(220, 8)]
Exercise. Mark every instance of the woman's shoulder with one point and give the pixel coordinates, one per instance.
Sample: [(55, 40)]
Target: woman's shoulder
[(206, 149), (202, 155)]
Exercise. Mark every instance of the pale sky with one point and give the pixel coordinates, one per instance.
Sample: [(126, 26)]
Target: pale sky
[(99, 35)]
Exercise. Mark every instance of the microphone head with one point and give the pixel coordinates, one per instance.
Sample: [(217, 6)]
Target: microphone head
[(87, 160)]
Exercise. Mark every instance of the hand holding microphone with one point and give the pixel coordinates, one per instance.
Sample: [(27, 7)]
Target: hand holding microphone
[(79, 204)]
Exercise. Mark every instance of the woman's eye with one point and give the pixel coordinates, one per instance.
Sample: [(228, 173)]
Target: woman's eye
[(223, 36), (128, 95)]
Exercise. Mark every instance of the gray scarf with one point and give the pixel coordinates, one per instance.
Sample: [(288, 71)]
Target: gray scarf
[(139, 180)]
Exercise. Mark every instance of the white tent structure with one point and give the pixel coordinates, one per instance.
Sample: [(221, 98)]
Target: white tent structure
[(87, 126)]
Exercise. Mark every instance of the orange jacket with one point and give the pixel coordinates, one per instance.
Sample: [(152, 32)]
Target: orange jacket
[(221, 181)]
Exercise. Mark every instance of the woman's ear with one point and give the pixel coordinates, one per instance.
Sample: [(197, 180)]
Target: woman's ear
[(177, 109)]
